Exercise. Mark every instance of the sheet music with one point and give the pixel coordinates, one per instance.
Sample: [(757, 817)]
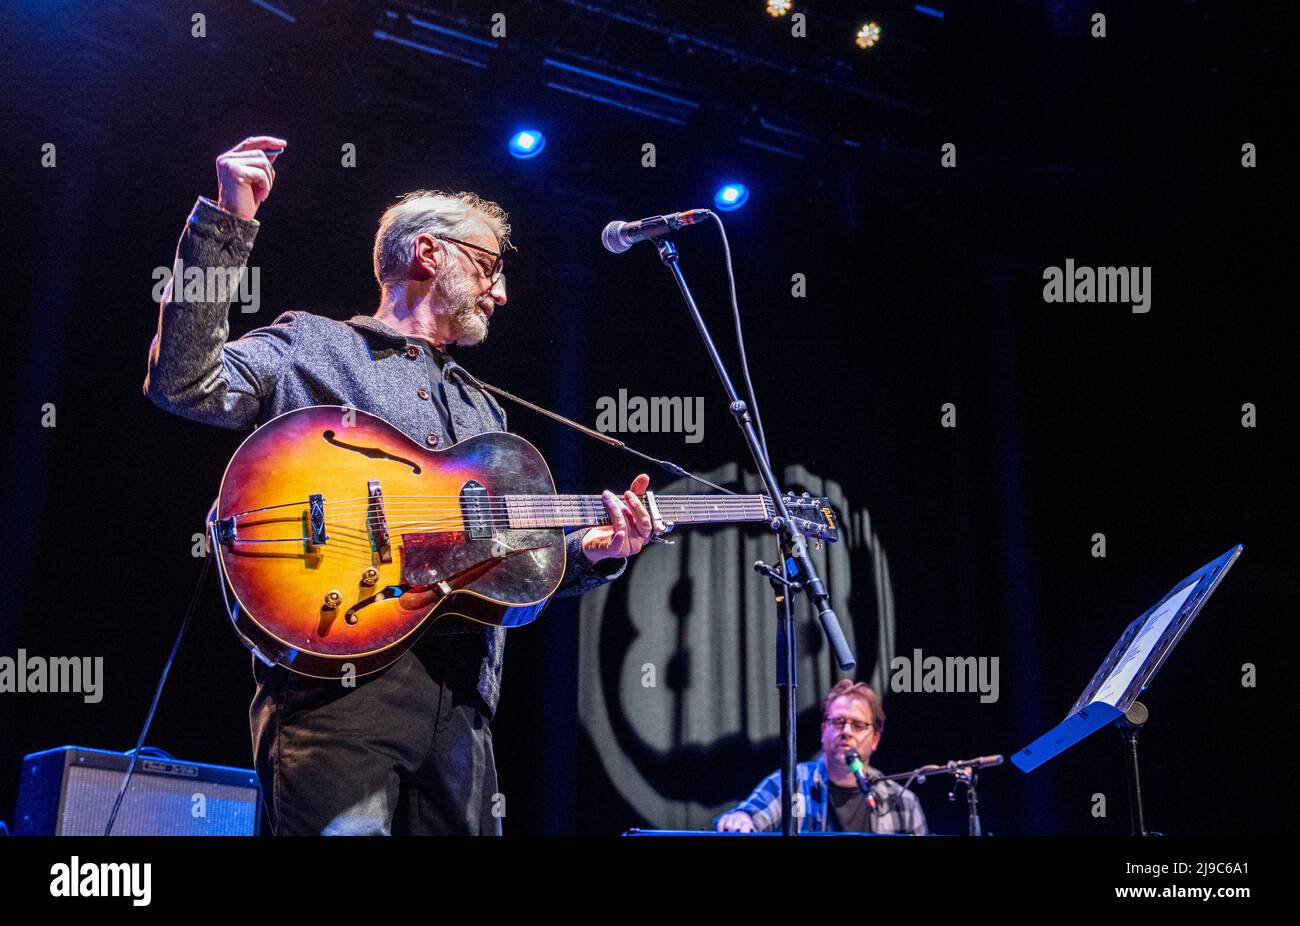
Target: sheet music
[(1130, 663), (1135, 655)]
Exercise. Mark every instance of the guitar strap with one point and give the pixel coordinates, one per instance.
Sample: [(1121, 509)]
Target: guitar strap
[(454, 369)]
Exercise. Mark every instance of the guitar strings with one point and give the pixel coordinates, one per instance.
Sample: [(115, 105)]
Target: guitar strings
[(452, 518), (515, 505), (447, 513), (571, 498), (513, 521)]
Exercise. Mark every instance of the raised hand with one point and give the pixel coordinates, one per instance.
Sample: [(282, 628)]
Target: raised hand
[(245, 175)]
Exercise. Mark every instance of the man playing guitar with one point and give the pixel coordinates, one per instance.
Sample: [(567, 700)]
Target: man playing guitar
[(407, 749)]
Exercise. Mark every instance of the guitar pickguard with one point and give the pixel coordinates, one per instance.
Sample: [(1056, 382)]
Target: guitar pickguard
[(512, 565)]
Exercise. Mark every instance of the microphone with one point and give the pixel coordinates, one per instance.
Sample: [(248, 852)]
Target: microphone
[(981, 762), (619, 236), (860, 773)]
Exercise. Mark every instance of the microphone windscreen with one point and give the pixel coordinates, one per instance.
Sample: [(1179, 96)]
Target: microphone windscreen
[(612, 240)]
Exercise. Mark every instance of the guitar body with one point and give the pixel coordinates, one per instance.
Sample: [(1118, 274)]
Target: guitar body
[(343, 539)]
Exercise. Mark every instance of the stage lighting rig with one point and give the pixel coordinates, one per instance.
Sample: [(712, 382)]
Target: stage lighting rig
[(868, 35), (527, 143), (730, 197)]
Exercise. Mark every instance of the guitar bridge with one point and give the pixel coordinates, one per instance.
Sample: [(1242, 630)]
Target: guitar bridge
[(379, 523)]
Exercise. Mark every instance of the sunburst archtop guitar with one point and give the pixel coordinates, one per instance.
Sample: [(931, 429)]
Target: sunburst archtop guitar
[(342, 539)]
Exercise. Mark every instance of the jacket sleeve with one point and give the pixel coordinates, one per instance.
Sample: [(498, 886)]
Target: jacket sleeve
[(192, 370), (581, 575)]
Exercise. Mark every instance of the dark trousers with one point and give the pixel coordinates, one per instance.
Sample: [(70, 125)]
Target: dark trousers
[(407, 751)]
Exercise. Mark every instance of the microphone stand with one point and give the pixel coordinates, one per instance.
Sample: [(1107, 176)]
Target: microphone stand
[(796, 564), (1130, 724), (963, 773), (967, 776)]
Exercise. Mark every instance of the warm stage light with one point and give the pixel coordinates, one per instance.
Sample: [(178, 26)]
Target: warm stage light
[(868, 36), (778, 7)]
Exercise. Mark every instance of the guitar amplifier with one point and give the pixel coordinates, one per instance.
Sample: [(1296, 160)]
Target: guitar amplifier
[(70, 791)]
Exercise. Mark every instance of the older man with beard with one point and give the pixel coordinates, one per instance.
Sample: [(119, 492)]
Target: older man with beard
[(406, 750)]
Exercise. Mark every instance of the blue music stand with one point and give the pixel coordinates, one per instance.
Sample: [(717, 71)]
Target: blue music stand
[(1111, 695)]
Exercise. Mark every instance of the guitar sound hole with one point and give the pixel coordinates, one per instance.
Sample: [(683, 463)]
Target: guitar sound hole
[(373, 453)]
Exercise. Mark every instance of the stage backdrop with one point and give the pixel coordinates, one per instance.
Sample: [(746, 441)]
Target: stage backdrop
[(677, 661)]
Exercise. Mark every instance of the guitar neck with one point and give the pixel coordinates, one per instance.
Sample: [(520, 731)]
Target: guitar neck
[(531, 511)]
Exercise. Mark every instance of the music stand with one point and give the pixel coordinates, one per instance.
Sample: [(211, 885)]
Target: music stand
[(1111, 695)]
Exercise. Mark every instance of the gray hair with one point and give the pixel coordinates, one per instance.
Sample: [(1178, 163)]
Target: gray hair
[(430, 212)]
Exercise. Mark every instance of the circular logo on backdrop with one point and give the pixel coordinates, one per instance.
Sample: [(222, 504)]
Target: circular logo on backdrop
[(678, 658)]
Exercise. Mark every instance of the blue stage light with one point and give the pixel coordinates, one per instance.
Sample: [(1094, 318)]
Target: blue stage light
[(731, 197), (527, 144)]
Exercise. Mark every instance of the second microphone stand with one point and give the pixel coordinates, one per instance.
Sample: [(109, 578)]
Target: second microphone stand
[(964, 772), (797, 571)]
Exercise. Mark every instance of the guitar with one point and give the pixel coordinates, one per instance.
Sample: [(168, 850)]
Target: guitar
[(342, 539)]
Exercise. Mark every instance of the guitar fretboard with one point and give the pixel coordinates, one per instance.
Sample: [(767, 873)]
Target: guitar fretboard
[(531, 511)]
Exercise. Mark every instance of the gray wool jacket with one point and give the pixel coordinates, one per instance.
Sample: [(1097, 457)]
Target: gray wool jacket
[(304, 359)]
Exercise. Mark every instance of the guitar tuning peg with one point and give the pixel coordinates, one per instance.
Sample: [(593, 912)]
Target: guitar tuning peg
[(806, 495)]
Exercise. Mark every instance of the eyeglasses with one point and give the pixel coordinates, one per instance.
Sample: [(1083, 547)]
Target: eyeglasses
[(498, 264), (839, 723)]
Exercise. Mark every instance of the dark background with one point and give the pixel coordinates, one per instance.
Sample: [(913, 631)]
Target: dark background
[(924, 287)]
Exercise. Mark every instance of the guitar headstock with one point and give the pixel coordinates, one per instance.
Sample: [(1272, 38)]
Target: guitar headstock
[(813, 516)]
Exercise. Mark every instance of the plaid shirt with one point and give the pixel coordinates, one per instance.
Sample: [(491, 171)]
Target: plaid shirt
[(897, 811)]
